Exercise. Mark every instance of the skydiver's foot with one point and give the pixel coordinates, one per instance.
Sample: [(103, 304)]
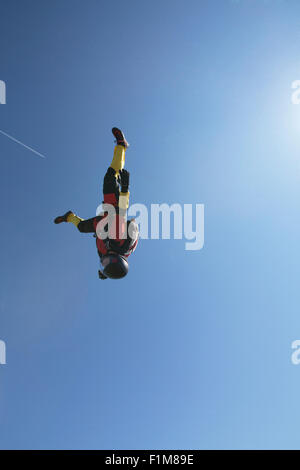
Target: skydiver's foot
[(120, 137), (62, 218)]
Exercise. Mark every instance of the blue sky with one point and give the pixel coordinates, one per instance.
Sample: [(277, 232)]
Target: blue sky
[(193, 349)]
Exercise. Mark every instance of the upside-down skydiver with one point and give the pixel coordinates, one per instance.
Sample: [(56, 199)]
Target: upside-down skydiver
[(116, 238)]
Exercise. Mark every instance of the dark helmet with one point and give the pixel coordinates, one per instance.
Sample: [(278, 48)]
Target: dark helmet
[(115, 266)]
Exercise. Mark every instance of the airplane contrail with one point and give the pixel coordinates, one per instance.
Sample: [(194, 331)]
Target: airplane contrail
[(21, 143)]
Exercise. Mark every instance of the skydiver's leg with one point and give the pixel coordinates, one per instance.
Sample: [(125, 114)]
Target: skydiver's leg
[(118, 161), (85, 226), (111, 189), (74, 219), (119, 152), (68, 217)]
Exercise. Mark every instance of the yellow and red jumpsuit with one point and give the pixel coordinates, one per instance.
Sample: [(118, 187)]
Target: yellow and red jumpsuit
[(116, 241)]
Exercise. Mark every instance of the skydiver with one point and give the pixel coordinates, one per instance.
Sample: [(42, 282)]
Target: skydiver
[(116, 238)]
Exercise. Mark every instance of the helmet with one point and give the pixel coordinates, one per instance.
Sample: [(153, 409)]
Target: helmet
[(115, 266)]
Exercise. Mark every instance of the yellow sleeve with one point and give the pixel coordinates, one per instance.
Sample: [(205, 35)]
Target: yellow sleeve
[(124, 200)]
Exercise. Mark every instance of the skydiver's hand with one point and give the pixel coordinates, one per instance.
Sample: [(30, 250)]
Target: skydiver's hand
[(124, 177)]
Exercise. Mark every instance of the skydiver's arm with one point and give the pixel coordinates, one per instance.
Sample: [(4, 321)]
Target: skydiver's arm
[(123, 203)]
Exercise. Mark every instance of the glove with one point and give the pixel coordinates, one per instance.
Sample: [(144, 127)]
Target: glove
[(124, 177)]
